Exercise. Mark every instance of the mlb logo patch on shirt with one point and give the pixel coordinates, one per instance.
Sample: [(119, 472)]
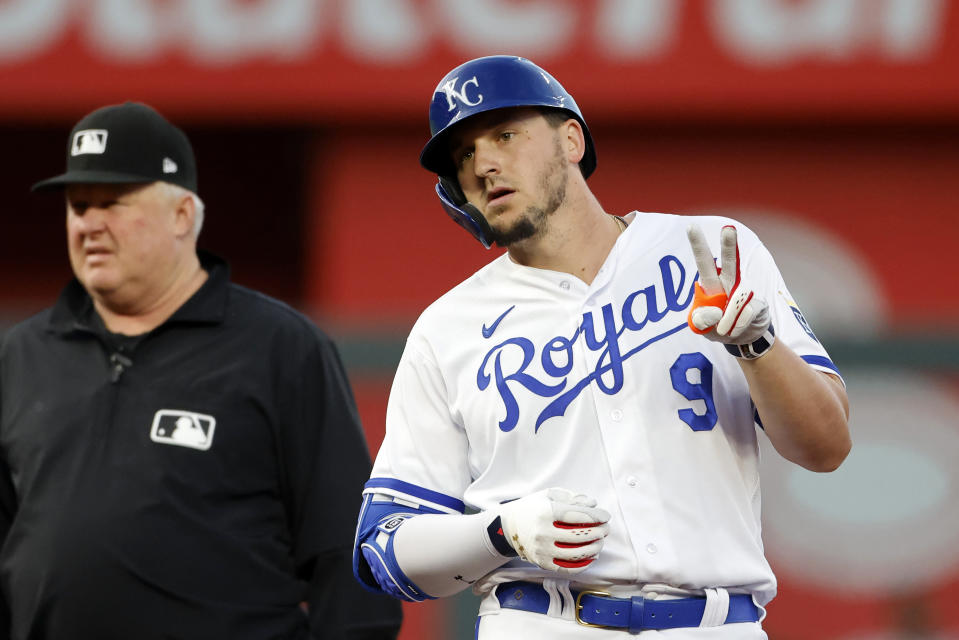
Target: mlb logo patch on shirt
[(89, 141), (183, 428)]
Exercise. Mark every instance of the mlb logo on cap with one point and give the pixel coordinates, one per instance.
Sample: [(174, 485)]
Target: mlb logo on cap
[(183, 429), (89, 141)]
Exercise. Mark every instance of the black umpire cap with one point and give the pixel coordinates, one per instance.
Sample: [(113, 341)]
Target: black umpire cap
[(126, 143)]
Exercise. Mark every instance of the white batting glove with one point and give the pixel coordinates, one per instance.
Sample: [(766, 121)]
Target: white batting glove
[(725, 307), (555, 529)]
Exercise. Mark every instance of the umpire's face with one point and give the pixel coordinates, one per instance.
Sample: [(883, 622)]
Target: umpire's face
[(126, 242)]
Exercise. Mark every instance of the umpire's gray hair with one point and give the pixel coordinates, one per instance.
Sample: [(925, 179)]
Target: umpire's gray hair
[(175, 191)]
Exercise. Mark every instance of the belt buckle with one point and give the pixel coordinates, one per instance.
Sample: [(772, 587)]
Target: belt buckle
[(579, 607)]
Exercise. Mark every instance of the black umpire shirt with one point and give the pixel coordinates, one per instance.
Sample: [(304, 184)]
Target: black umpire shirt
[(200, 482)]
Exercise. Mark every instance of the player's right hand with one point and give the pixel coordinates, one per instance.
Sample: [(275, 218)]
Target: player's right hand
[(555, 529), (725, 308)]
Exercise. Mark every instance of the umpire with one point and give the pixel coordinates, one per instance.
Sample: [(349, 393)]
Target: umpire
[(179, 456)]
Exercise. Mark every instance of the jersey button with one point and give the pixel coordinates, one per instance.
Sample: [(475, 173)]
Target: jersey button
[(616, 415), (632, 481), (564, 285), (651, 548)]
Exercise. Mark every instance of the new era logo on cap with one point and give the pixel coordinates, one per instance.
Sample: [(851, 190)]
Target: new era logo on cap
[(183, 428), (169, 166), (89, 141)]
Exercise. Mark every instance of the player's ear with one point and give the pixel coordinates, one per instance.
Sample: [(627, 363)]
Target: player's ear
[(573, 140)]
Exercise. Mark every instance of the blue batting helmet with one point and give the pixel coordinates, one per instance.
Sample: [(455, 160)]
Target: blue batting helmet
[(493, 82), (477, 86)]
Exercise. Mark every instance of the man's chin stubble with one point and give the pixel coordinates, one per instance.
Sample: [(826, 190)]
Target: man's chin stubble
[(522, 229)]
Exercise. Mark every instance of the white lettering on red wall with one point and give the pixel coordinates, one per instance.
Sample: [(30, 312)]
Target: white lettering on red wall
[(390, 32)]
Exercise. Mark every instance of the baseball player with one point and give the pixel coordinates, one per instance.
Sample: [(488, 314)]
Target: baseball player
[(572, 431)]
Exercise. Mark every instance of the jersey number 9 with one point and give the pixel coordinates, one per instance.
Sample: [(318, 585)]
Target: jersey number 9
[(687, 368)]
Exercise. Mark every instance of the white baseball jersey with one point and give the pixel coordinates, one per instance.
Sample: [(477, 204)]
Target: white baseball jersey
[(520, 379)]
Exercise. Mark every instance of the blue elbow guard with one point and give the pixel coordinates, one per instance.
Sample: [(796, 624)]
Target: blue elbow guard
[(374, 563)]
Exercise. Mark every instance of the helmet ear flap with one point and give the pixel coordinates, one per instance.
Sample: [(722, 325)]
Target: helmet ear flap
[(452, 188), (462, 212)]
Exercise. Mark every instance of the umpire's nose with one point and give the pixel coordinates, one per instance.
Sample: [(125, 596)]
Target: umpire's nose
[(86, 219)]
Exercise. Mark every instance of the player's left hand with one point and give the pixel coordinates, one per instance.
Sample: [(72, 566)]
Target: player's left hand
[(725, 308), (556, 529)]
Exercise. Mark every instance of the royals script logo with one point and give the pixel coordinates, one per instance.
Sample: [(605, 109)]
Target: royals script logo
[(610, 332), (451, 92)]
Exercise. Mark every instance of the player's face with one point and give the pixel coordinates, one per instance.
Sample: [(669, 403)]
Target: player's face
[(511, 166), (122, 239)]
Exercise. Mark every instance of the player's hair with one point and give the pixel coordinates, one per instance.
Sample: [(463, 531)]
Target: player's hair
[(555, 118), (175, 191)]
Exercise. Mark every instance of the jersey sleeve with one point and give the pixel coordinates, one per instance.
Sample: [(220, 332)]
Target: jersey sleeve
[(325, 461), (787, 319), (424, 456)]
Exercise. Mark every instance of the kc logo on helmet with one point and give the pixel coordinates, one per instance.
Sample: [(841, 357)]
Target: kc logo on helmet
[(450, 90), (183, 428), (89, 141)]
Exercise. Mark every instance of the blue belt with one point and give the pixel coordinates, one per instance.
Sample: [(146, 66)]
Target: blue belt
[(598, 609)]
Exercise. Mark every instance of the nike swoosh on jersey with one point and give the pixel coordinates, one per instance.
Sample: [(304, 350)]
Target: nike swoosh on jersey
[(488, 331)]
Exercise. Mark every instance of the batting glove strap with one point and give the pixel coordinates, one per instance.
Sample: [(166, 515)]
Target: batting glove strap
[(755, 349), (498, 539)]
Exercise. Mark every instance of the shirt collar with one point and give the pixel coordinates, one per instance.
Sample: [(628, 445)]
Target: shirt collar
[(73, 310)]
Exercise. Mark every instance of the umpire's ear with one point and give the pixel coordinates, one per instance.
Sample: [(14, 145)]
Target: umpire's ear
[(184, 212)]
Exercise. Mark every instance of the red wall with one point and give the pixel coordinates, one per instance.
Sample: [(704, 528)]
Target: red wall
[(383, 247)]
